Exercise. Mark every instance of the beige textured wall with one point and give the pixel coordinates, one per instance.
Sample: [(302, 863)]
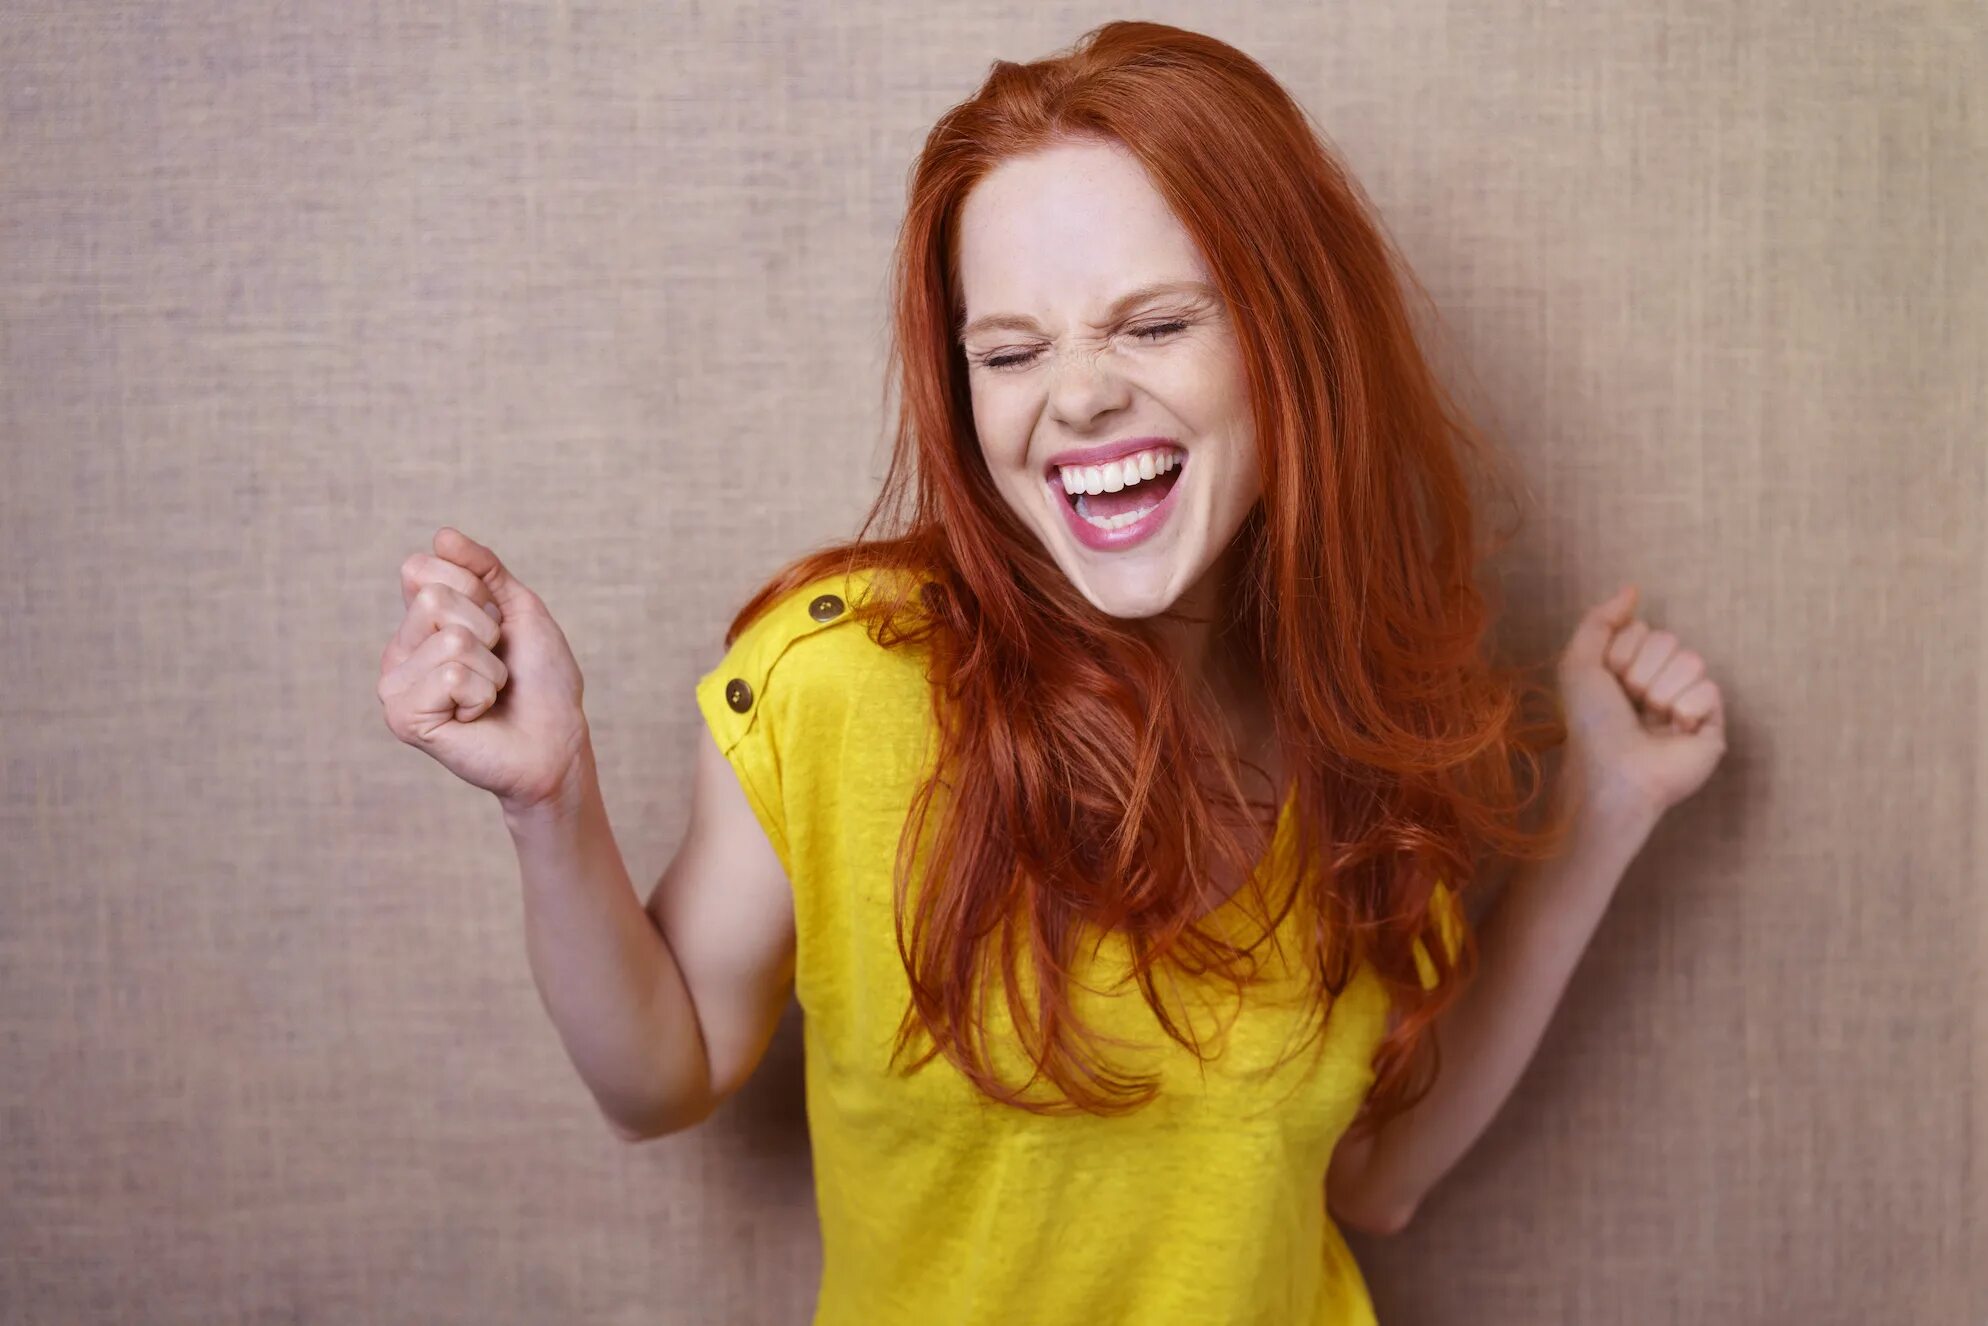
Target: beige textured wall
[(284, 287)]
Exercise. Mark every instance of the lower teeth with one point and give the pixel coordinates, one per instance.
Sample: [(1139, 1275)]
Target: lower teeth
[(1112, 522)]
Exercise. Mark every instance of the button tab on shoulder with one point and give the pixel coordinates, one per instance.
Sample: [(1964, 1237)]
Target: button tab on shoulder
[(738, 695), (826, 607)]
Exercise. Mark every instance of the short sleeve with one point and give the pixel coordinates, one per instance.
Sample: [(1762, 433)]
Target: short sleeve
[(765, 717), (746, 745), (1450, 923)]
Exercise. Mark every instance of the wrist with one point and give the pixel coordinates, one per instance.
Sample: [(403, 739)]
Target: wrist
[(1603, 796), (1617, 810), (560, 804)]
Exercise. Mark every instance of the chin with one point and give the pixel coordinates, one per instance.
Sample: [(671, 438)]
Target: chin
[(1131, 592)]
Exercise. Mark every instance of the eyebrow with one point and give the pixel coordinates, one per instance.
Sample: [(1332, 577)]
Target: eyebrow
[(1017, 322)]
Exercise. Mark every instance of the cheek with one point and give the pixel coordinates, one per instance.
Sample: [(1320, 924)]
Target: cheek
[(1218, 392), (1241, 479), (1002, 446), (1238, 429), (1249, 474), (1222, 415)]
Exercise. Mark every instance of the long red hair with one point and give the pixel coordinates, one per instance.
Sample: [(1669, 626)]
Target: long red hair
[(1067, 743)]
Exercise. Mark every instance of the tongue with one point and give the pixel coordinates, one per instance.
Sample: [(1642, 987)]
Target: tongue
[(1147, 492)]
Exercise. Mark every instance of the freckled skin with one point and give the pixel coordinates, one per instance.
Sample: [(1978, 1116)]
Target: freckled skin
[(1057, 236)]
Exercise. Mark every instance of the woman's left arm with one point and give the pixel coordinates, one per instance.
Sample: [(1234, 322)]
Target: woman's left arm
[(1646, 727)]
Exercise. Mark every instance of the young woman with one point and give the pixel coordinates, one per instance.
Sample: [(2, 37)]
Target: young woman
[(1098, 808)]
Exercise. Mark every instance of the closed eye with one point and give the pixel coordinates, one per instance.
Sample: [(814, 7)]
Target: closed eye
[(1153, 331)]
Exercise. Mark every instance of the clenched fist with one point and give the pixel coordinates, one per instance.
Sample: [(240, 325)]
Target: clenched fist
[(1644, 718), (479, 676)]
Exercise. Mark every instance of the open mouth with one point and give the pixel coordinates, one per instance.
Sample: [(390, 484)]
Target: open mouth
[(1127, 515), (1116, 510)]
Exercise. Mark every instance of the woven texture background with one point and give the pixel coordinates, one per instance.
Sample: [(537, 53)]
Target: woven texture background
[(284, 287)]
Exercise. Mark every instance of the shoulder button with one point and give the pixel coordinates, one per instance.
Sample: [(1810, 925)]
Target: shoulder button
[(826, 607), (738, 694)]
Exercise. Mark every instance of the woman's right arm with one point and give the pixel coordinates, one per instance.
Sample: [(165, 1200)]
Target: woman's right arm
[(664, 1010)]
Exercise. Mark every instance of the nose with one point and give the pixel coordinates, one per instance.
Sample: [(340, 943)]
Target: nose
[(1082, 386)]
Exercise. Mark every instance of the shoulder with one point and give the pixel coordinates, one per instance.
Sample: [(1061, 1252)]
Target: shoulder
[(805, 660)]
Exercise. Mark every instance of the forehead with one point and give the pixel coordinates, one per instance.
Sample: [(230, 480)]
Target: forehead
[(1065, 230)]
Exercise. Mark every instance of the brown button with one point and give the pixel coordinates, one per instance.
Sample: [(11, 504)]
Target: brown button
[(738, 694), (826, 608)]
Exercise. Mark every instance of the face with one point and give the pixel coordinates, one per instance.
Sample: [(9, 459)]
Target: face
[(1118, 430)]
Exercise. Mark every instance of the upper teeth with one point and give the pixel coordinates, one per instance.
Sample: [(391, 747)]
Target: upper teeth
[(1117, 474)]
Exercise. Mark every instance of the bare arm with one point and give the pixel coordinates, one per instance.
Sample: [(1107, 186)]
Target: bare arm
[(726, 906), (663, 1010), (1343, 1189), (1528, 948)]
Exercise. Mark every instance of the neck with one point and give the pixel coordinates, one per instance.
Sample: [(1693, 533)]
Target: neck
[(1195, 633), (1190, 632)]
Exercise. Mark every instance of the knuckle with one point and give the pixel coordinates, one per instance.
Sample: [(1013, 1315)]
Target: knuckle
[(456, 638), (430, 595)]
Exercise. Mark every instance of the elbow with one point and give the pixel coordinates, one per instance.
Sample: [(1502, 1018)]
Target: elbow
[(647, 1132), (632, 1133), (1380, 1223), (623, 1133), (1393, 1222), (658, 1123)]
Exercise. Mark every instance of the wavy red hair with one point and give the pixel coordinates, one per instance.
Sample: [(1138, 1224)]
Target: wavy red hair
[(1069, 734)]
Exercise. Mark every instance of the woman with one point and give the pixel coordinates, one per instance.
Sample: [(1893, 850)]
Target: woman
[(1098, 809)]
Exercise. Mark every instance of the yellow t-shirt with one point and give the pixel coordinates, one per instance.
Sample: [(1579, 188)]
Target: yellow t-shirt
[(939, 1207)]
